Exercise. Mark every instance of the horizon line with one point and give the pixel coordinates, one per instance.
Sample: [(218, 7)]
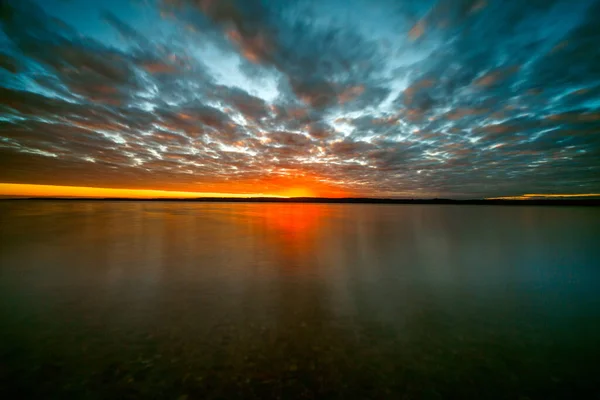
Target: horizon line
[(35, 191), (330, 200)]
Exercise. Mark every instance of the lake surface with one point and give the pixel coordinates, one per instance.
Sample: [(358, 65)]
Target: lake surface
[(174, 300)]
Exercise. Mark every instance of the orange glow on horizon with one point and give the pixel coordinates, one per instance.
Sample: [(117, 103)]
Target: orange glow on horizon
[(298, 192), (536, 196), (302, 185), (272, 188), (27, 190)]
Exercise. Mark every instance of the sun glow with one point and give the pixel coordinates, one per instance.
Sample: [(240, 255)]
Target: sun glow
[(298, 192)]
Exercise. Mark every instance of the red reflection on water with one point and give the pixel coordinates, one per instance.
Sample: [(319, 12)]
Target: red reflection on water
[(294, 219), (292, 231)]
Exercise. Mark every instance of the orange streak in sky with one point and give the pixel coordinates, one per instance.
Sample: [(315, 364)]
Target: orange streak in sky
[(542, 196), (564, 195), (26, 190)]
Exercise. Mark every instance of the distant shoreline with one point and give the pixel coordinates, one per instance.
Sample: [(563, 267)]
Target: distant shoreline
[(318, 200)]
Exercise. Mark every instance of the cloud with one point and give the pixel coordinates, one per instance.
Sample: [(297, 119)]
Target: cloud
[(460, 98), (249, 106), (8, 63), (319, 130), (287, 139)]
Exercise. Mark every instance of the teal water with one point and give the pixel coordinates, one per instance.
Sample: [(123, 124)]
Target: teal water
[(225, 301)]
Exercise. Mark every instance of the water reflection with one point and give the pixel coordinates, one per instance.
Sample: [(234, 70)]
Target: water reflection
[(291, 231), (282, 300)]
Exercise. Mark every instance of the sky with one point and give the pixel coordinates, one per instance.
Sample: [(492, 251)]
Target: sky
[(386, 98)]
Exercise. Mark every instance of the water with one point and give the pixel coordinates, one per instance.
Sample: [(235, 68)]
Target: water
[(200, 301)]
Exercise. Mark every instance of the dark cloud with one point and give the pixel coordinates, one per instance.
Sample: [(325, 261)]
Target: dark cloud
[(287, 139), (8, 63), (320, 130), (251, 107)]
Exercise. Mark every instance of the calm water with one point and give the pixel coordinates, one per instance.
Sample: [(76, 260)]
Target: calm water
[(200, 301)]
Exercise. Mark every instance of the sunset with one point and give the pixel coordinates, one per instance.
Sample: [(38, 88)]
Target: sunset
[(391, 99), (299, 199), (75, 191)]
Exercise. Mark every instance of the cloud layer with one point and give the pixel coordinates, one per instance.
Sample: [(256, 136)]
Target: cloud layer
[(461, 98)]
